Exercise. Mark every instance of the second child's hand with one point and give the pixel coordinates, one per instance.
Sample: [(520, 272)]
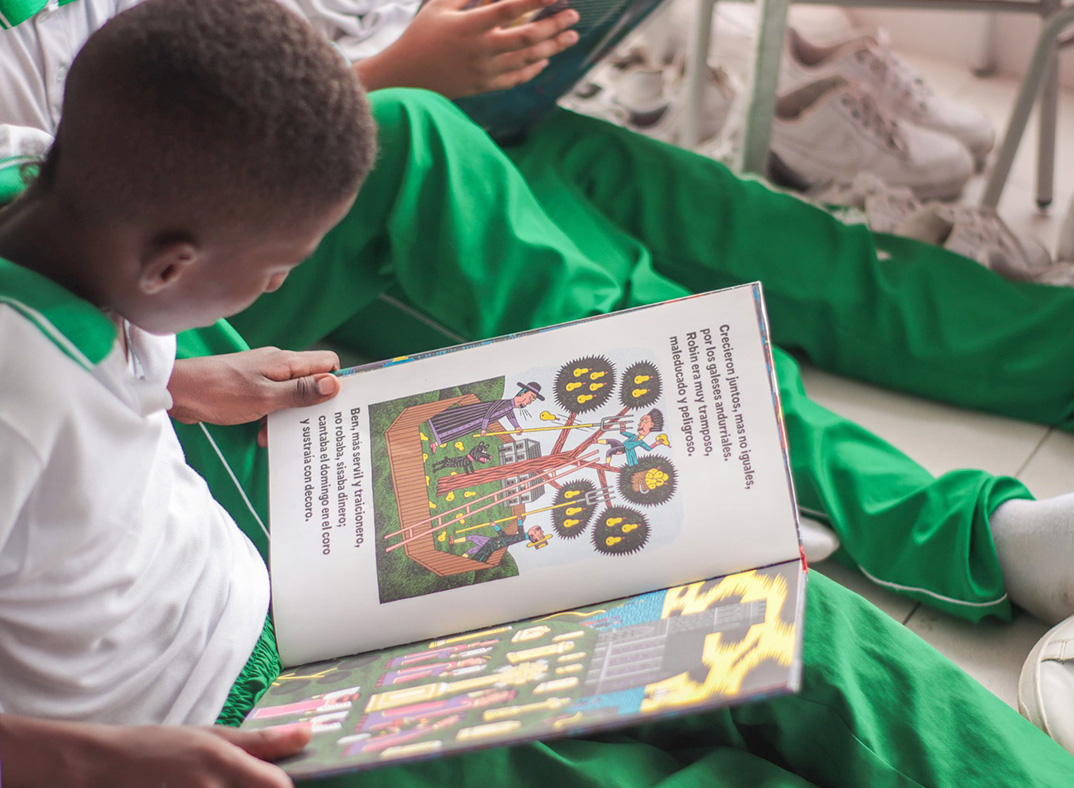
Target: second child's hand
[(457, 51), (236, 388)]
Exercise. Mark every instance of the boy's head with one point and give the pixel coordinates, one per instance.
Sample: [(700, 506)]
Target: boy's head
[(210, 145)]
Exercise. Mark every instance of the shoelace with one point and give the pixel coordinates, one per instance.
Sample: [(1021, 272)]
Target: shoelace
[(865, 110), (894, 72)]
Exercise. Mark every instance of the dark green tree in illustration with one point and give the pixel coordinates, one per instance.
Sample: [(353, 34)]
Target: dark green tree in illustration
[(573, 508), (620, 530), (651, 482), (585, 384), (641, 385)]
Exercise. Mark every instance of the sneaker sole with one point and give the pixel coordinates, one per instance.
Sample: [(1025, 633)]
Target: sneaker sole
[(783, 175), (1030, 705)]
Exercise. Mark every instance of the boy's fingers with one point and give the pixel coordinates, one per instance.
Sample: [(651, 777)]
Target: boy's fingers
[(313, 389), (298, 392), (513, 61), (269, 744), (533, 34), (514, 78), (504, 12), (310, 362)]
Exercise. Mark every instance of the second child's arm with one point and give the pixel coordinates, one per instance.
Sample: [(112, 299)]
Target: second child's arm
[(236, 388), (459, 52)]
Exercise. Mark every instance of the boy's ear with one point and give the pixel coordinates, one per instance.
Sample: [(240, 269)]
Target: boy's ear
[(165, 260)]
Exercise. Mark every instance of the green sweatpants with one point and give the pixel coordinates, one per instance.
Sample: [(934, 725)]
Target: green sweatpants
[(453, 239)]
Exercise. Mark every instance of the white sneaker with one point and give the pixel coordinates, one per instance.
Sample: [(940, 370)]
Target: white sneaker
[(632, 91), (871, 201), (979, 234), (897, 87), (1046, 684), (831, 130), (1058, 274)]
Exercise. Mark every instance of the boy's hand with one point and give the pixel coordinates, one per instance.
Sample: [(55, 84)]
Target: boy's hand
[(236, 388), (47, 753), (458, 52)]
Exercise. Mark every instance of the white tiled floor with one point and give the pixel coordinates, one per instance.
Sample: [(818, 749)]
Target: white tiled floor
[(943, 438)]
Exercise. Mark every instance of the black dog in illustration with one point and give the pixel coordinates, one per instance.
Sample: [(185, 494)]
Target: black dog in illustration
[(479, 453)]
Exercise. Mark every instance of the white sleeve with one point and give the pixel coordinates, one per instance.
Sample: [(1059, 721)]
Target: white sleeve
[(360, 28)]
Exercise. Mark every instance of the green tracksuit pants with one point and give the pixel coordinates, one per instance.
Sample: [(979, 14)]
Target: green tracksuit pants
[(454, 239)]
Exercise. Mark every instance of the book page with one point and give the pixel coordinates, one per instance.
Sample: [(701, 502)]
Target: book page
[(540, 472), (674, 651)]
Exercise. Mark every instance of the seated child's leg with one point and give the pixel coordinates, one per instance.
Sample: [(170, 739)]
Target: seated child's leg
[(924, 321), (926, 537), (890, 710), (446, 217), (878, 707)]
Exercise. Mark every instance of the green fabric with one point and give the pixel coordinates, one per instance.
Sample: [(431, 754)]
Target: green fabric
[(452, 239), (257, 675), (925, 537), (15, 12), (76, 327), (16, 172)]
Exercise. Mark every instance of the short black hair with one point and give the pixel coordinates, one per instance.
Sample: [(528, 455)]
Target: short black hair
[(240, 107), (657, 418)]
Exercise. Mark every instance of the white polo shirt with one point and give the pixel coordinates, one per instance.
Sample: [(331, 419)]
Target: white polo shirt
[(127, 594)]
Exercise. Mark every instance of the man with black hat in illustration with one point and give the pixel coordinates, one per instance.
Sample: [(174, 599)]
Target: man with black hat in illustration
[(454, 423)]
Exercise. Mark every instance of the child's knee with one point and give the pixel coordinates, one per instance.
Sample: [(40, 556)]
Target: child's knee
[(400, 110)]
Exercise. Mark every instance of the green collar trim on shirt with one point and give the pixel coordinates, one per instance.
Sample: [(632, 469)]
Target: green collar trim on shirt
[(76, 327), (15, 172), (15, 12)]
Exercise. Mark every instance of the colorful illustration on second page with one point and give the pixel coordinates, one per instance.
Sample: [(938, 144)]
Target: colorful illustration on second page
[(667, 652), (479, 482)]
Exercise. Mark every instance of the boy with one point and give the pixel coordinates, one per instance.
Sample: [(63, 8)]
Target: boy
[(205, 151)]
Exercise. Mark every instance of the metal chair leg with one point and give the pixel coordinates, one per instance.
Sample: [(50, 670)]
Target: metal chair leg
[(1027, 95), (696, 62), (1047, 116), (771, 32)]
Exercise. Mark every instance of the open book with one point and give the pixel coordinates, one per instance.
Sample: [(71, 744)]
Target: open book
[(538, 535), (508, 114)]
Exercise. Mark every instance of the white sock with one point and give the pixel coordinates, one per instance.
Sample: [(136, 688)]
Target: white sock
[(818, 540), (1035, 545)]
